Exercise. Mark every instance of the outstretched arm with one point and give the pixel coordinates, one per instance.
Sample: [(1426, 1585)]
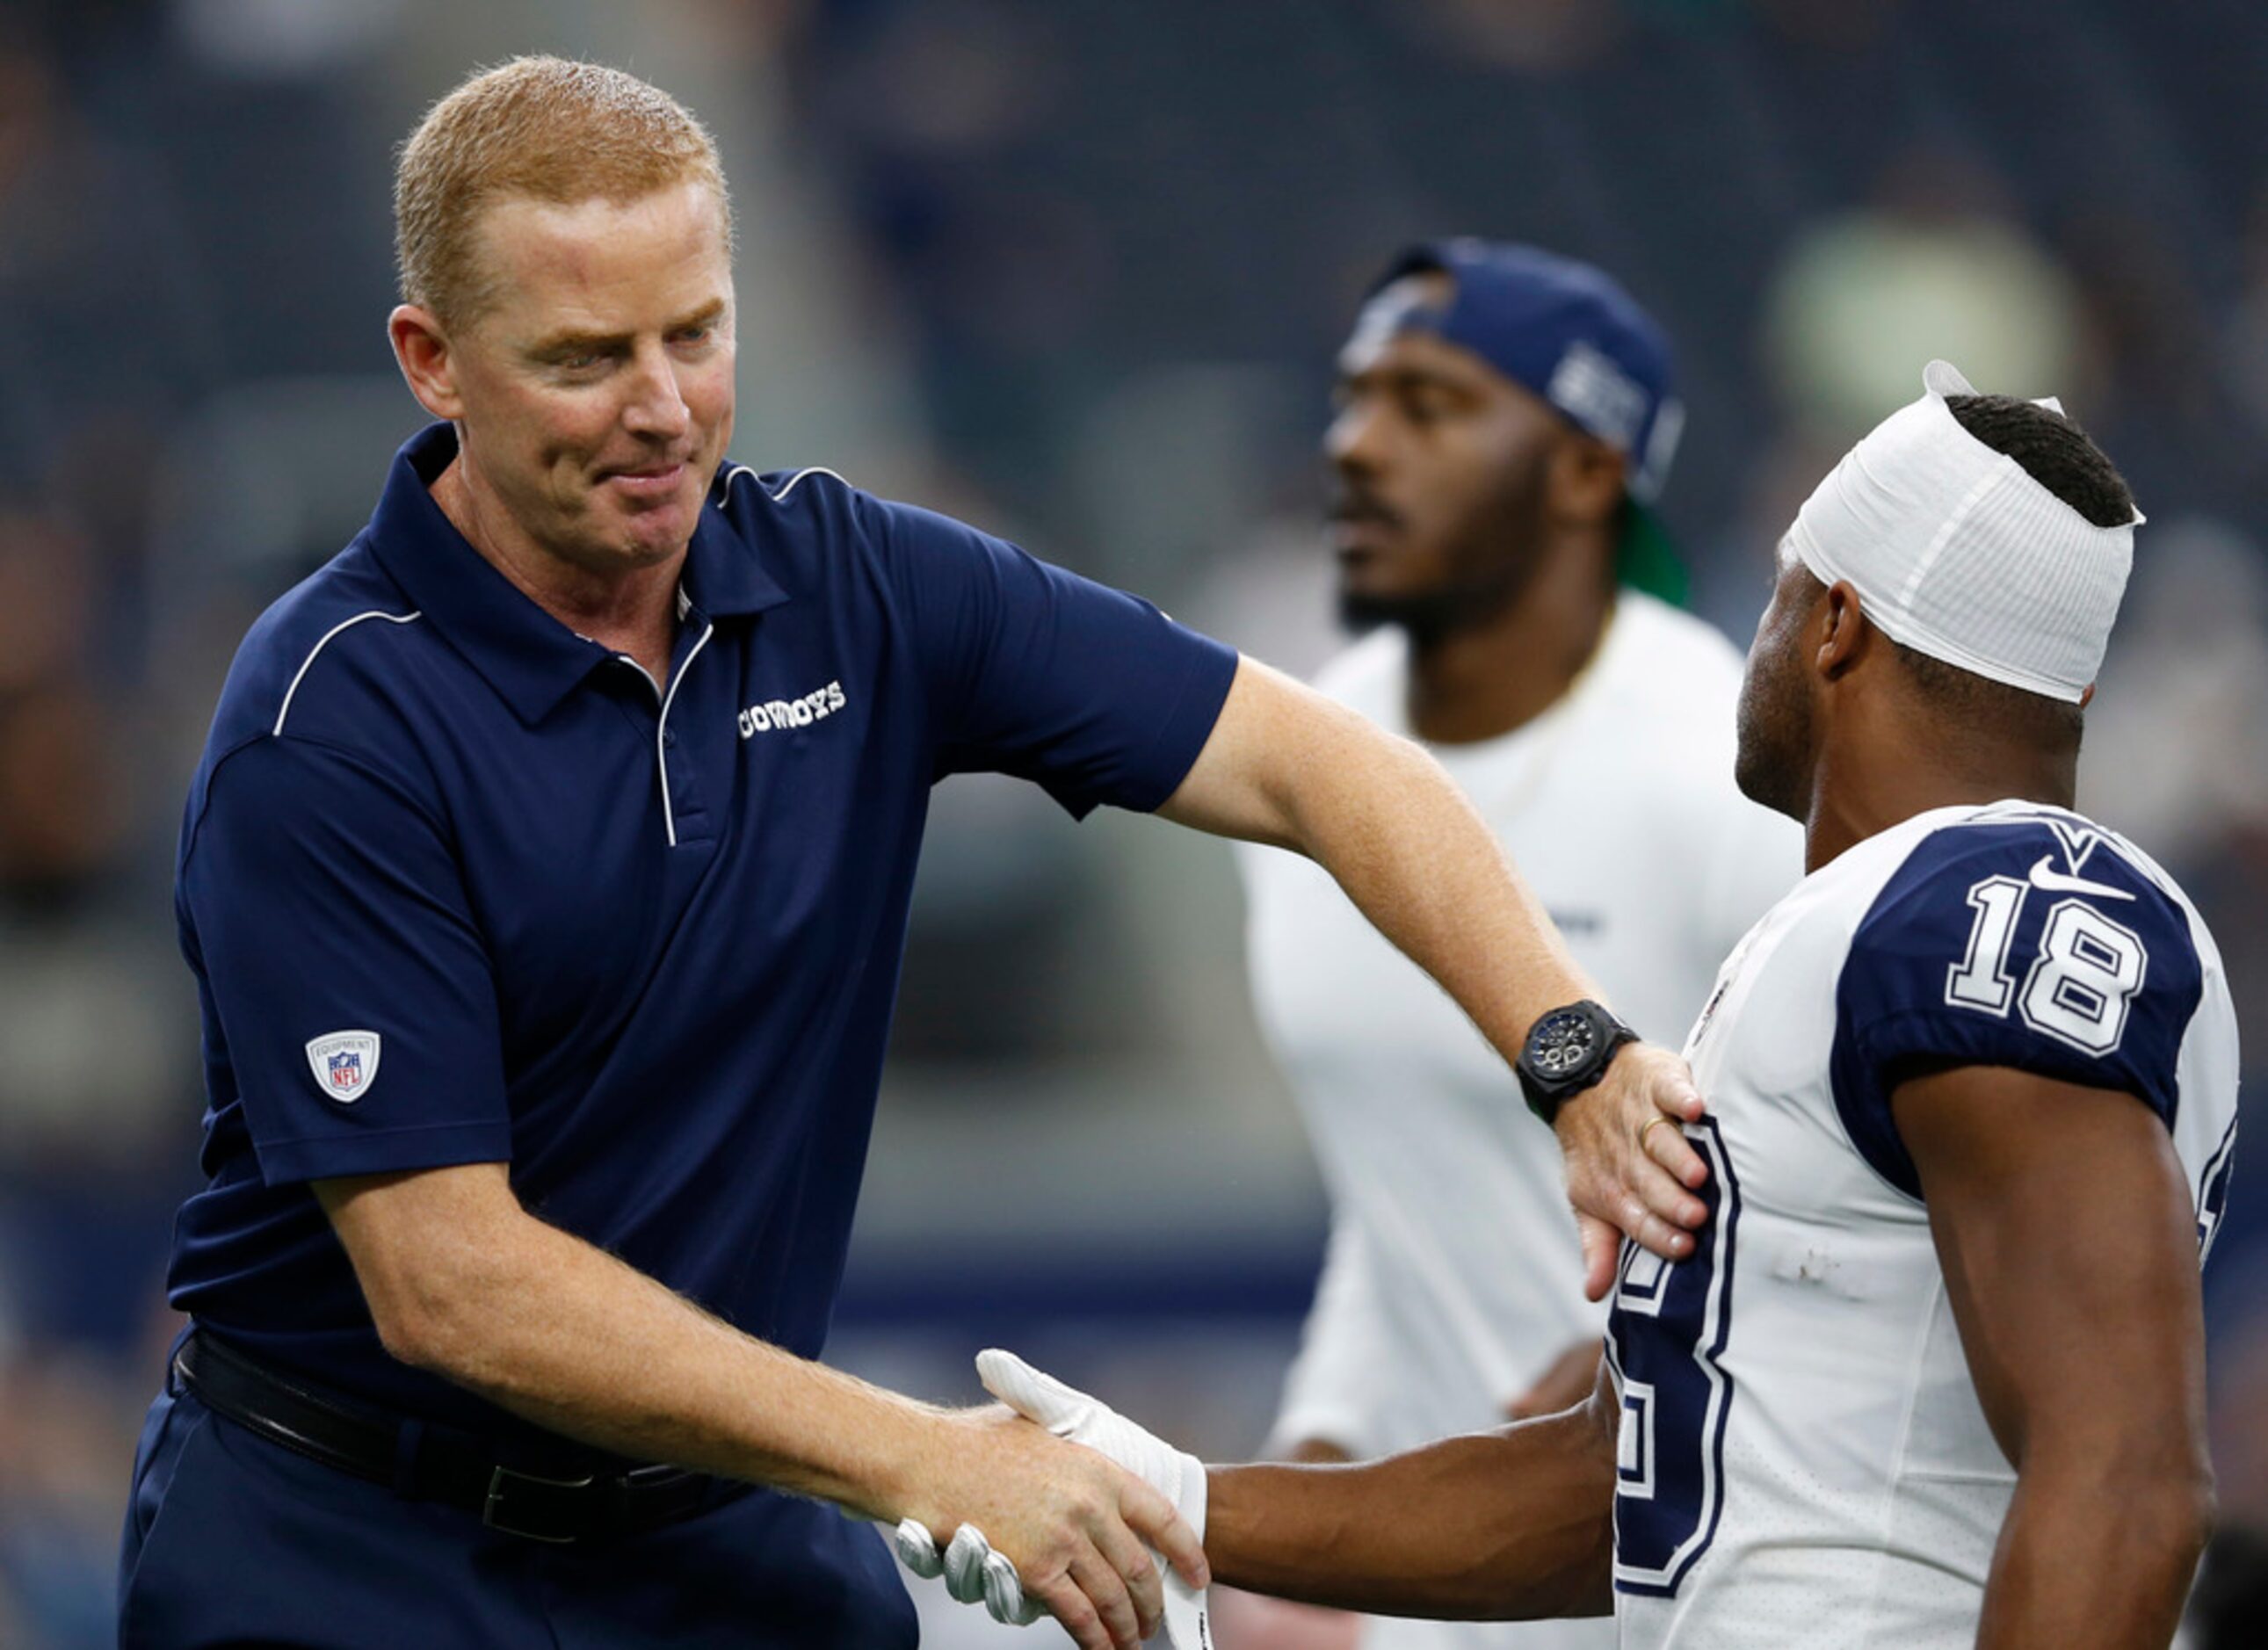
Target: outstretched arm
[(2064, 1223), (1497, 1526), (464, 1282), (1514, 1524), (1288, 767)]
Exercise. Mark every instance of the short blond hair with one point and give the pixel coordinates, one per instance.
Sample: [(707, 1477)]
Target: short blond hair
[(544, 128)]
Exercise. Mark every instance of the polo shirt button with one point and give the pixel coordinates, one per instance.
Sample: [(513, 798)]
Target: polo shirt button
[(669, 738)]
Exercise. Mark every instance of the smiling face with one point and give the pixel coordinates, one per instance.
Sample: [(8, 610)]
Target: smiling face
[(592, 391), (1440, 464)]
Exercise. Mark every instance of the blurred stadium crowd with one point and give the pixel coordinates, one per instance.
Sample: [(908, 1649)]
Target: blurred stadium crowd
[(1074, 269)]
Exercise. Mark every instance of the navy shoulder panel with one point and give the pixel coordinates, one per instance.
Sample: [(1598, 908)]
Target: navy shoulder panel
[(301, 664), (2022, 940)]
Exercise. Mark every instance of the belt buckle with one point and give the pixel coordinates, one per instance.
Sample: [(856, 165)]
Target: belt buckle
[(492, 1509)]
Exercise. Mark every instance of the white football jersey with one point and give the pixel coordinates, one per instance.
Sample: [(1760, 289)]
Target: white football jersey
[(1453, 1277), (1803, 1458)]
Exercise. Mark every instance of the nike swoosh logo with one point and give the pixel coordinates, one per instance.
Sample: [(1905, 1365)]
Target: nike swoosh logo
[(2046, 876)]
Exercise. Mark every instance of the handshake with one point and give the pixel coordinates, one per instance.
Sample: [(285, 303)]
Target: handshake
[(973, 1572)]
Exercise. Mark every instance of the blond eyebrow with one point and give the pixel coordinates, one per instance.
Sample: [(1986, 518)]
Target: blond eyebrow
[(561, 344), (713, 310)]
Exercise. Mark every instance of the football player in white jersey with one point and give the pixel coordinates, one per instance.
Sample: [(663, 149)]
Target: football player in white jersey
[(1935, 1377), (1504, 415)]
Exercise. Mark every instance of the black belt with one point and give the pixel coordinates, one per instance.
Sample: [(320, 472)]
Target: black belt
[(367, 1443)]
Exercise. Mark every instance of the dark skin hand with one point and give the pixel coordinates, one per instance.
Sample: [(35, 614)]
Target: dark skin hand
[(2064, 1224), (1516, 1523)]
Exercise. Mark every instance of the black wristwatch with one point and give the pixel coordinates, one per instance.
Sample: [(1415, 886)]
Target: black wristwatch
[(1567, 1051)]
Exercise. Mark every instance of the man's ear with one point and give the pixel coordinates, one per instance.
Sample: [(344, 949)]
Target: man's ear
[(1843, 631), (421, 348), (1586, 480)]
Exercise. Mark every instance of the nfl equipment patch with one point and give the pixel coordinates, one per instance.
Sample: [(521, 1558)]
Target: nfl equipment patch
[(345, 1063)]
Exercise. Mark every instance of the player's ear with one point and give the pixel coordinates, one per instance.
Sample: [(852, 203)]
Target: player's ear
[(421, 348), (1842, 629), (1587, 479)]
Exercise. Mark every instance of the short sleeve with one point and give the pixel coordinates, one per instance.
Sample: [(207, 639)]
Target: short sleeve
[(2018, 943), (324, 911), (1036, 672)]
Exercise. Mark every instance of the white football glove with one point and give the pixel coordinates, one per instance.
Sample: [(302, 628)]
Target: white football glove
[(972, 1569), (974, 1573)]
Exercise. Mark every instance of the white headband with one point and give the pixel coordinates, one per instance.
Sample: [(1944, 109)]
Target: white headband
[(1956, 551)]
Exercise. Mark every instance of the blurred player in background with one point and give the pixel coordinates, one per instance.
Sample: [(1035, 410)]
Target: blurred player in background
[(544, 880), (1936, 1378), (1505, 418)]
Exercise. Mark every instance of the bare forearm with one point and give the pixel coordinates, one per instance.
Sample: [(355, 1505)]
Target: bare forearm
[(563, 1334), (1514, 1524), (2086, 1563), (1291, 768), (463, 1281), (1421, 864), (1286, 766)]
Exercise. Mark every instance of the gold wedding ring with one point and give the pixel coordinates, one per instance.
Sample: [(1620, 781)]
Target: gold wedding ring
[(1648, 1124)]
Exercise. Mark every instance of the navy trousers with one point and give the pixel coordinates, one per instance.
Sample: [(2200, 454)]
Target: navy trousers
[(231, 1540)]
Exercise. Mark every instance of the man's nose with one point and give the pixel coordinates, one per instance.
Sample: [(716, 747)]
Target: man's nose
[(656, 404), (1351, 441)]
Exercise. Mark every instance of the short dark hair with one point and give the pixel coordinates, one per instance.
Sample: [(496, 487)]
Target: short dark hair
[(2054, 451), (1976, 703)]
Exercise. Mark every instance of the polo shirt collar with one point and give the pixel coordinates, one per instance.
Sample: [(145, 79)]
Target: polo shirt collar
[(723, 576), (530, 658)]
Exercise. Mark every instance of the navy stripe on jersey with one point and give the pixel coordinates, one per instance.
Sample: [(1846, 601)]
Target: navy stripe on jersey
[(2213, 1192), (2026, 941)]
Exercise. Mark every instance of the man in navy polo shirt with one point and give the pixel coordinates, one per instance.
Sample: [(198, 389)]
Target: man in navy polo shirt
[(545, 879)]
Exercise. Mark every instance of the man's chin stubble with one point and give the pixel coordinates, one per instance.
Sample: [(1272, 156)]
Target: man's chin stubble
[(1428, 616)]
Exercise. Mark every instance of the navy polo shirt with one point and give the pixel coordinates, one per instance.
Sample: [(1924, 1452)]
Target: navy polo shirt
[(461, 885)]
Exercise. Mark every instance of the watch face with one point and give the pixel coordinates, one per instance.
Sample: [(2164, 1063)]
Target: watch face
[(1562, 1044)]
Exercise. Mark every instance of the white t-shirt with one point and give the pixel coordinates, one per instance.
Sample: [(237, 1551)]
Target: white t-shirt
[(1453, 1277), (1803, 1459)]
